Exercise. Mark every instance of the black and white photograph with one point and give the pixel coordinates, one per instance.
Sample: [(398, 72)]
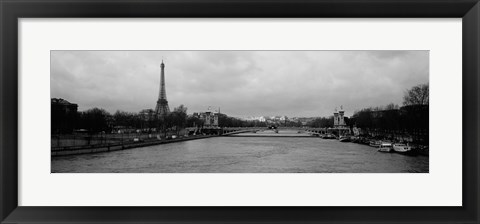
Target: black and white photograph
[(232, 111)]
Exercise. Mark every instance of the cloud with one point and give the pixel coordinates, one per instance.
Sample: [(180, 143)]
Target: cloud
[(292, 83)]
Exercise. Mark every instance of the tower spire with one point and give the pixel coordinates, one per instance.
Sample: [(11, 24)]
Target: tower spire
[(162, 108)]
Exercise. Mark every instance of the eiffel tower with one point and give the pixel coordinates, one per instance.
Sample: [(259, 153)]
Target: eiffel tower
[(162, 109)]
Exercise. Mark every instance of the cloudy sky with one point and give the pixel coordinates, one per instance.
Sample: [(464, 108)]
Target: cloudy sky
[(241, 83)]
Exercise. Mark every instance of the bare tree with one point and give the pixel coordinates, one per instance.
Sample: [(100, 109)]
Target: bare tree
[(391, 106), (418, 95)]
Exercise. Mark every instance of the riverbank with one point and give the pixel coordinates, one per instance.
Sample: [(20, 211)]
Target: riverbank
[(116, 142), (76, 150)]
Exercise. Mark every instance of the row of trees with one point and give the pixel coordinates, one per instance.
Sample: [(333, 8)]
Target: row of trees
[(413, 115), (321, 122), (99, 120), (325, 122), (407, 118)]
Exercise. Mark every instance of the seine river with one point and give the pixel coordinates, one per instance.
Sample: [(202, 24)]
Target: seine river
[(244, 154)]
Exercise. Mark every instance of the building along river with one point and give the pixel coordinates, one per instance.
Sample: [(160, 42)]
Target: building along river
[(268, 152)]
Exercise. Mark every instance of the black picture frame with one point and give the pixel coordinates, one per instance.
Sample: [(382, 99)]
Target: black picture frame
[(11, 11)]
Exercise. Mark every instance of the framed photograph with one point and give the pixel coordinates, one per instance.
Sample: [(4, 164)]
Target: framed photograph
[(245, 112)]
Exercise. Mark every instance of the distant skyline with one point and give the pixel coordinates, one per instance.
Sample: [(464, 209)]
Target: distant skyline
[(240, 83)]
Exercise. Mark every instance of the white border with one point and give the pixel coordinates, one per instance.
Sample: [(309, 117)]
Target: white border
[(441, 187)]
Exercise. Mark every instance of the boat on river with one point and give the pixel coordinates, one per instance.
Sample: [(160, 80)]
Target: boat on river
[(375, 144), (345, 139), (401, 148), (329, 136), (385, 147)]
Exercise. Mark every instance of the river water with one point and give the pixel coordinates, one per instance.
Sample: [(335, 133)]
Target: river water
[(245, 154)]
